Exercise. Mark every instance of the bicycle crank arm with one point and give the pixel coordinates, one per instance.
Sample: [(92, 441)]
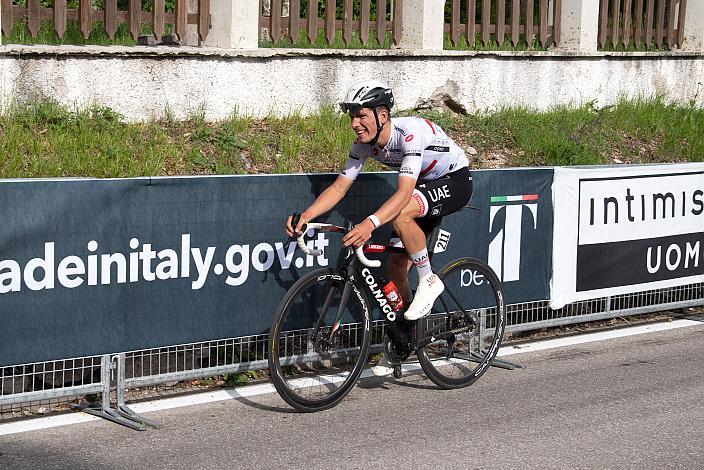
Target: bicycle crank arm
[(438, 331), (429, 338)]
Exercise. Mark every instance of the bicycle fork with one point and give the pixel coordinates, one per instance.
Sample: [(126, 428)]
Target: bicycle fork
[(335, 331)]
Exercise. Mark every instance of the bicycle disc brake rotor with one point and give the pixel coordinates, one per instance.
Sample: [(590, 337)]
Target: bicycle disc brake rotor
[(460, 322), (325, 346)]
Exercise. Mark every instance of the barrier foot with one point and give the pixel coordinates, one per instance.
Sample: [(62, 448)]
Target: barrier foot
[(109, 414), (129, 414), (500, 363)]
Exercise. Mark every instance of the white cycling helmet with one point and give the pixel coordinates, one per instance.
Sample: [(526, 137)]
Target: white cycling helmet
[(367, 94)]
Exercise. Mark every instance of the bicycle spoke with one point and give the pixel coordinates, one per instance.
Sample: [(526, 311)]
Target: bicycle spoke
[(467, 327), (315, 366), (460, 308), (324, 309)]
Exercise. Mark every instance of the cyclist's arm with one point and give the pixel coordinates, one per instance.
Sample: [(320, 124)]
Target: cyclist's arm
[(412, 149), (388, 211), (323, 203), (393, 206), (328, 198), (336, 191)]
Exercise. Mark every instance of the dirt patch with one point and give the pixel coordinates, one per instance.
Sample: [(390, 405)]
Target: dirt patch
[(601, 325)]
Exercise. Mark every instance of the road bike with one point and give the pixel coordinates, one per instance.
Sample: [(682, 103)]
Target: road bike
[(320, 338)]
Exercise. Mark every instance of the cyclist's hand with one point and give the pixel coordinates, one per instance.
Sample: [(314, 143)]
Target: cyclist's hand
[(360, 234), (302, 220)]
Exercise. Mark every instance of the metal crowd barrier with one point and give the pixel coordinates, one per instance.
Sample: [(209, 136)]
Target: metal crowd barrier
[(44, 385)]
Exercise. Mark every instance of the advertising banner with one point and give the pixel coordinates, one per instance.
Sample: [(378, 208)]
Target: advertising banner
[(92, 267), (508, 225), (627, 229)]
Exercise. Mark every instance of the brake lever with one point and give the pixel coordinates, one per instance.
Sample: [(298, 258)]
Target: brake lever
[(287, 243)]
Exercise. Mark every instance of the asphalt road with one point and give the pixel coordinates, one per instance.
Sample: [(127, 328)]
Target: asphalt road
[(635, 402)]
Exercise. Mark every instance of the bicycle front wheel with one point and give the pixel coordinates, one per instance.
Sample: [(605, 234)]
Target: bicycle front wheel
[(319, 340), (465, 327)]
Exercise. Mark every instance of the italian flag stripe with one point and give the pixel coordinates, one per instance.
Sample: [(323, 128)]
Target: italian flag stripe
[(522, 197)]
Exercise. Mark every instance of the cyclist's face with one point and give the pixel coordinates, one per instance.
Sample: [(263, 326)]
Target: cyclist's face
[(363, 124)]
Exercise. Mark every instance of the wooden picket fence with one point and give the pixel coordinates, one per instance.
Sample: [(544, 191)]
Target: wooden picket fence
[(624, 23), (521, 21), (110, 17), (279, 22)]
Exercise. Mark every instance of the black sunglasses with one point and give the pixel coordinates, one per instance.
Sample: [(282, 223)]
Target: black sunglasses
[(350, 107)]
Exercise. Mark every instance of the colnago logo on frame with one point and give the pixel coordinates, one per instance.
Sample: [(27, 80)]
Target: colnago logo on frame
[(639, 229), (505, 248)]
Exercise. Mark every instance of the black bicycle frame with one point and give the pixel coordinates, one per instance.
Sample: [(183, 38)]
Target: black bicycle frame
[(400, 330), (346, 292)]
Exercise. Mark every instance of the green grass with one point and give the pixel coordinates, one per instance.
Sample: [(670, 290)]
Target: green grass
[(43, 139), (477, 45), (73, 35), (356, 43), (321, 42)]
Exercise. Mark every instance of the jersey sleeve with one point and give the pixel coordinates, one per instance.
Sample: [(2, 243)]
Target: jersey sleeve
[(354, 162), (412, 146)]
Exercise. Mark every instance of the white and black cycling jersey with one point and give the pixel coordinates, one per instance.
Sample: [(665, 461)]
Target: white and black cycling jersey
[(417, 147)]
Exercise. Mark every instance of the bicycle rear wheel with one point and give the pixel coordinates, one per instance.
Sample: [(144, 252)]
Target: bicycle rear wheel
[(466, 323), (319, 340)]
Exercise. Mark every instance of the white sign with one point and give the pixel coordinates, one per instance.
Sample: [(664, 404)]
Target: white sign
[(626, 229)]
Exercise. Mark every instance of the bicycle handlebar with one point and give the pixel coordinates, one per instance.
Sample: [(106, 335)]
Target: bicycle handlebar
[(359, 251)]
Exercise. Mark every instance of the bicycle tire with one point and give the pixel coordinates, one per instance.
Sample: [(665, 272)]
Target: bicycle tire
[(459, 363), (307, 370)]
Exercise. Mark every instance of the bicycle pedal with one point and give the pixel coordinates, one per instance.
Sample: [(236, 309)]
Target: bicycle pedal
[(397, 371)]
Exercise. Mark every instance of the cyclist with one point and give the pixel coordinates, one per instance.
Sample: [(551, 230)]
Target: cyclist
[(434, 181)]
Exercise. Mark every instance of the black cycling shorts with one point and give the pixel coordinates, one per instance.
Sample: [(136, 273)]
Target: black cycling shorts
[(441, 197)]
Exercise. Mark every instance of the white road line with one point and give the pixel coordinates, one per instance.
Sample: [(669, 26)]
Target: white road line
[(590, 337), (254, 390), (44, 423)]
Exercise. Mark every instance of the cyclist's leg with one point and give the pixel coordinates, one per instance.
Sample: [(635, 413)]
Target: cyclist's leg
[(407, 229), (399, 262), (414, 232), (434, 199), (412, 239), (397, 267)]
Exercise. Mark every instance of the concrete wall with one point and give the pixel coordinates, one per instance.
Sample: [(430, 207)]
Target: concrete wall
[(143, 83)]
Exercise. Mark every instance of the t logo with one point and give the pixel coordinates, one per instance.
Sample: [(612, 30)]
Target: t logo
[(505, 248)]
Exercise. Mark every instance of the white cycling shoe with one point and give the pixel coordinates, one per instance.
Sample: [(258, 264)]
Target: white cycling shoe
[(383, 368), (429, 288)]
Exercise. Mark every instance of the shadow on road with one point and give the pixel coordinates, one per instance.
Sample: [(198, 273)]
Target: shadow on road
[(696, 317), (261, 406), (419, 381)]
